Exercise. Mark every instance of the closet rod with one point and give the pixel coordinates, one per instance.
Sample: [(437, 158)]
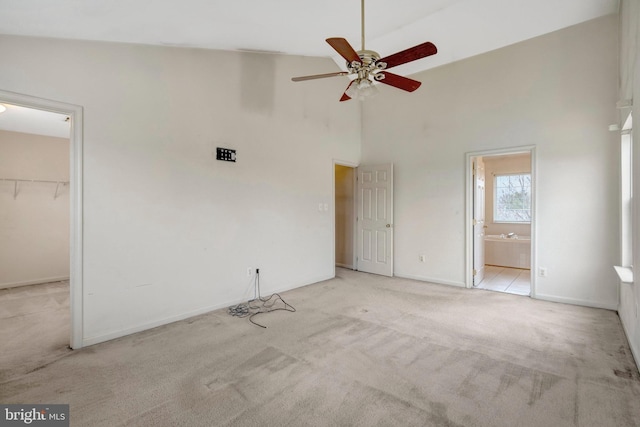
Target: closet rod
[(33, 180), (16, 181)]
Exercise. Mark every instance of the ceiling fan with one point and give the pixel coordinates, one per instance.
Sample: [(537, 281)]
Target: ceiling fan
[(368, 67)]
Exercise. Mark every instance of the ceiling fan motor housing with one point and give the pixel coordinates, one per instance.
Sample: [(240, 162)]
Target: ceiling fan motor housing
[(368, 65), (369, 60)]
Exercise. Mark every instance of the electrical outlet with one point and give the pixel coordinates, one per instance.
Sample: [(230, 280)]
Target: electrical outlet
[(248, 271), (542, 271), (421, 258)]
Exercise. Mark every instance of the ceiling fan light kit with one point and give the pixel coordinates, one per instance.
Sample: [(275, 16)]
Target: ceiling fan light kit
[(368, 67), (361, 89)]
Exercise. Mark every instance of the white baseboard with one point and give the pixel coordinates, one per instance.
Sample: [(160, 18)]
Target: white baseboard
[(305, 283), (430, 280), (150, 325), (573, 301), (33, 282), (178, 317)]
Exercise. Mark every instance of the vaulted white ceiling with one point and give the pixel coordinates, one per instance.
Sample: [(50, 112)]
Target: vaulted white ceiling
[(459, 28)]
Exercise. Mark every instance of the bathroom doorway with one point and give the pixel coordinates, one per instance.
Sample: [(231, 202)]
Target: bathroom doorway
[(501, 217)]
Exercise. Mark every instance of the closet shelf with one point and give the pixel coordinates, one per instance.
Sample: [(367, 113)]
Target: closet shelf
[(16, 181)]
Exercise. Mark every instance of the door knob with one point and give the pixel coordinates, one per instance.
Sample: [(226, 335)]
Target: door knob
[(388, 225)]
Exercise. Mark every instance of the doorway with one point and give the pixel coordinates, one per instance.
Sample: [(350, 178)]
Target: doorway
[(345, 215), (501, 218), (74, 190), (363, 223)]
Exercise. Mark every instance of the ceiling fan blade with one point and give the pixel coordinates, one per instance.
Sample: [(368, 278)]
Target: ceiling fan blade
[(318, 76), (400, 82), (346, 97), (417, 52), (345, 50)]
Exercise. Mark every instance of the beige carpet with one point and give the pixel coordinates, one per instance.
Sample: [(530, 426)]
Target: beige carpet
[(361, 350), (34, 327)]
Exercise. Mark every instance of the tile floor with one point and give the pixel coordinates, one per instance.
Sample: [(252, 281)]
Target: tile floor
[(503, 279)]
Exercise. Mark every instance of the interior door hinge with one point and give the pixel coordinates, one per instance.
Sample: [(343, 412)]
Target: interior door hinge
[(475, 272), (474, 222)]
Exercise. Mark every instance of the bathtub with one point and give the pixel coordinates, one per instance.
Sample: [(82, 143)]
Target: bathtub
[(503, 251)]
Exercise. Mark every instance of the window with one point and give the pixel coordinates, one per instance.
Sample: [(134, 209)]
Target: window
[(512, 198), (626, 188)]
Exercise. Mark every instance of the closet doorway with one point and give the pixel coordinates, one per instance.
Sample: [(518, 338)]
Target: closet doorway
[(345, 214), (41, 201)]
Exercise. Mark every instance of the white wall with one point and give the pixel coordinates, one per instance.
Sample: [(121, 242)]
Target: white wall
[(168, 230), (34, 227), (518, 163), (556, 92)]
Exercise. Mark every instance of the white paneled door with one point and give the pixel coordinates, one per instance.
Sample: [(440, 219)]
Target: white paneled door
[(375, 219)]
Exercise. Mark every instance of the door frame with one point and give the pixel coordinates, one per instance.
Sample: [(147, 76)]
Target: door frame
[(76, 204), (531, 149), (354, 166), (478, 270)]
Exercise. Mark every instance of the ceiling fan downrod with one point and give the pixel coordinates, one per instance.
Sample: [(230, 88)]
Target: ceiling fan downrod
[(362, 22)]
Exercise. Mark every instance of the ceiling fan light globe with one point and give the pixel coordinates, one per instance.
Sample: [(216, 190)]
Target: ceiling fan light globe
[(361, 89), (352, 91), (369, 91), (363, 84)]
